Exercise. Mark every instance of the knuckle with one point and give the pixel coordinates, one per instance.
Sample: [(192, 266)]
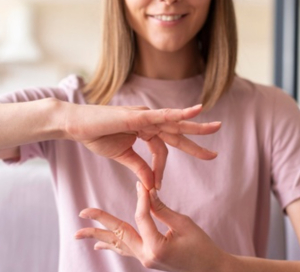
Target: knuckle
[(139, 217), (166, 111), (159, 206), (98, 213), (94, 232), (120, 230)]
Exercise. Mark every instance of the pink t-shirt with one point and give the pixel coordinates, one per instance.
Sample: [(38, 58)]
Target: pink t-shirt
[(229, 197)]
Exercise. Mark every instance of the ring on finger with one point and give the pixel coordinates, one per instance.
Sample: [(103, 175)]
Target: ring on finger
[(119, 232)]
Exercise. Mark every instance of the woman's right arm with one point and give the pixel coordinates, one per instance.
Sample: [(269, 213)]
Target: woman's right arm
[(108, 131), (29, 122)]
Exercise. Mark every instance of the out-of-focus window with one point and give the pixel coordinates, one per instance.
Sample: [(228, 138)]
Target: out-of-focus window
[(255, 19), (65, 32)]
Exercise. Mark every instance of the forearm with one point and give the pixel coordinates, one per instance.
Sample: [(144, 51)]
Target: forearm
[(250, 264), (27, 122)]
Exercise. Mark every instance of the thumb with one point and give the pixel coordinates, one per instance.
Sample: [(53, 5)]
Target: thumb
[(145, 223), (162, 212)]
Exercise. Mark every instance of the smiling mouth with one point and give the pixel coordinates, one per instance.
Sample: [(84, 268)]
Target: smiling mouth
[(168, 18)]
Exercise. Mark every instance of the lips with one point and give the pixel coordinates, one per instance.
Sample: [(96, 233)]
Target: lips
[(168, 17)]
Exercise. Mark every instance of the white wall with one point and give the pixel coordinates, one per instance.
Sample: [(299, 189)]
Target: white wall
[(68, 34), (255, 20)]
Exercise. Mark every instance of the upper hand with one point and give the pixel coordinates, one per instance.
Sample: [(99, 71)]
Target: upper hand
[(185, 247), (111, 131)]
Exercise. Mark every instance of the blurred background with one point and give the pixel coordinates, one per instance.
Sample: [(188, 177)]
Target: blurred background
[(43, 41)]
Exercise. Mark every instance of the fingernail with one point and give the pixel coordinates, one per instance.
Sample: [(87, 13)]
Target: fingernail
[(153, 193), (158, 186), (138, 186), (211, 152), (84, 215), (198, 106), (78, 236), (215, 123)]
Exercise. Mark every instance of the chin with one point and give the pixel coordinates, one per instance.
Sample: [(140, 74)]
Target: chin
[(168, 48)]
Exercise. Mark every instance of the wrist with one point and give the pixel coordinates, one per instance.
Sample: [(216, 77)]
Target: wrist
[(56, 111), (228, 263), (220, 262)]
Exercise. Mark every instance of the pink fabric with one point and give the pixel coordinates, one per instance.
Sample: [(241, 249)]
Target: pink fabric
[(229, 197)]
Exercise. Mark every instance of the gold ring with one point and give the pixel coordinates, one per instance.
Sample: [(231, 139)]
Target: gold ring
[(119, 233)]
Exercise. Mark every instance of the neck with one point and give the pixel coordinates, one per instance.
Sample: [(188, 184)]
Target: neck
[(152, 63)]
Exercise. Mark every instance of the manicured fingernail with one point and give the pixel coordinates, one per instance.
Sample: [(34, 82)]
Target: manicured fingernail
[(215, 123), (153, 193), (158, 186), (197, 106), (78, 236), (138, 186), (84, 215), (211, 152)]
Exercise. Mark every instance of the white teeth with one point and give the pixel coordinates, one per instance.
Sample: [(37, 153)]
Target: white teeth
[(167, 18)]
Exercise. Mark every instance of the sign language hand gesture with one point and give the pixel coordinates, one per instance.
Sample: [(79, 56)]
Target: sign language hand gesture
[(111, 132), (185, 246)]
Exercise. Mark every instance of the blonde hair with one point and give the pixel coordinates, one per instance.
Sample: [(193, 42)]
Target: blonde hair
[(218, 39)]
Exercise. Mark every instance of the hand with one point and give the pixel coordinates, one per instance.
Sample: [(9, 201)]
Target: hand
[(111, 132), (185, 247)]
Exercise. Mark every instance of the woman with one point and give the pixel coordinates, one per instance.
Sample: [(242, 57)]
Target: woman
[(160, 54), (259, 145)]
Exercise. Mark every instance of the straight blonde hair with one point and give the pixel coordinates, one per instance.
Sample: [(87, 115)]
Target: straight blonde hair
[(218, 40)]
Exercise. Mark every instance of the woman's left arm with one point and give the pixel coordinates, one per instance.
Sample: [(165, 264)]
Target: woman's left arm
[(293, 211), (185, 247)]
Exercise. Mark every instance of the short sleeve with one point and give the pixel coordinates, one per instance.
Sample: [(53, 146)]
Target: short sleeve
[(285, 149), (67, 90)]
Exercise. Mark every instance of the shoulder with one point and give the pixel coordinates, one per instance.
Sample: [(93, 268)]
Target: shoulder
[(245, 87), (72, 87), (259, 95)]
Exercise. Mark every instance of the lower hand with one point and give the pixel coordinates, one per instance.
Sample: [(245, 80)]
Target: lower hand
[(185, 247)]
